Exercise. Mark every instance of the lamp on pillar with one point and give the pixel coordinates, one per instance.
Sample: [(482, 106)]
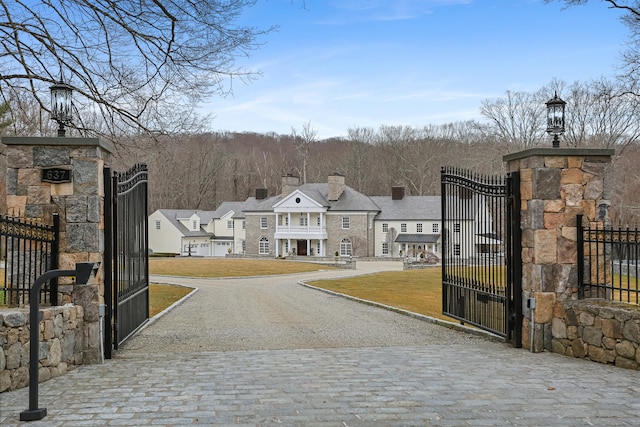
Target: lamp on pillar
[(555, 118), (61, 105)]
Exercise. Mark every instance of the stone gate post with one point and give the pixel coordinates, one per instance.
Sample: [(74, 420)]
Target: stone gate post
[(556, 185), (78, 197)]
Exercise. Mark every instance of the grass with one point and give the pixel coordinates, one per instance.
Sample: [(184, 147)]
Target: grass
[(418, 291), (209, 267), (162, 296)]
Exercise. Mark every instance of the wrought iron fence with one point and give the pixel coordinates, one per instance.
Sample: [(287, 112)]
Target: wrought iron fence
[(608, 262), (28, 249)]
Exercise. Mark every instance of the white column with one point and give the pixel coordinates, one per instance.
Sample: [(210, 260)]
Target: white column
[(289, 222), (308, 225), (308, 247), (277, 247)]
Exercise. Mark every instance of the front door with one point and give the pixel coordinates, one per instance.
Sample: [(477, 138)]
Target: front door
[(302, 248)]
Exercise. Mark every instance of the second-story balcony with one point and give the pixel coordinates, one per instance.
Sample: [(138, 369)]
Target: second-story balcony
[(300, 232)]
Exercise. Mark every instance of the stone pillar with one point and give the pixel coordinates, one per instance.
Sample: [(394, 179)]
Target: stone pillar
[(80, 204), (556, 185)]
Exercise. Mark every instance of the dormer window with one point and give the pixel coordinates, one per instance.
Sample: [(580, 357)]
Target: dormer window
[(194, 225)]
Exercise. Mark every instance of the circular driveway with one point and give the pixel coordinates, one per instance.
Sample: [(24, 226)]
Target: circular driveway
[(273, 313)]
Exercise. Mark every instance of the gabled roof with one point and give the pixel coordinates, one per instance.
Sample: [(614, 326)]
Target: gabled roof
[(408, 208), (174, 216), (226, 207), (350, 200)]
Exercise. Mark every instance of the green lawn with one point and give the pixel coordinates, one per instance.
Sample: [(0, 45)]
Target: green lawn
[(418, 291), (211, 267)]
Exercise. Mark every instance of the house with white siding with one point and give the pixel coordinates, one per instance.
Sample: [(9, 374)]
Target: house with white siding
[(195, 232)]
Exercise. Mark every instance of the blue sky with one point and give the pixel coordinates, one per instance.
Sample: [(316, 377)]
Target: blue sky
[(339, 64)]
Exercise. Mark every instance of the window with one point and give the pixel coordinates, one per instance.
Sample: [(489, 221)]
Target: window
[(303, 220), (435, 228), (385, 249), (318, 248), (403, 228), (157, 225), (418, 228), (385, 228), (263, 248), (345, 223), (286, 220), (456, 227), (286, 246), (345, 247), (456, 250), (194, 225), (244, 225), (263, 222), (318, 221), (230, 225), (244, 246)]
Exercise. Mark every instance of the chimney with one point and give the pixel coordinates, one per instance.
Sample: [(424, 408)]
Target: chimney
[(289, 183), (336, 187), (397, 193), (261, 193)]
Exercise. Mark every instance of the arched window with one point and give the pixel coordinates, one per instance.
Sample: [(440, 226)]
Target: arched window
[(264, 246), (345, 247)]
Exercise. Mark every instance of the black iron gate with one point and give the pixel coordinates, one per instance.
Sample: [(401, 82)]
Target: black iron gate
[(481, 251), (126, 252), (28, 249)]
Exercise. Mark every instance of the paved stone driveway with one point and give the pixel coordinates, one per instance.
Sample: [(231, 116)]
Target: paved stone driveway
[(418, 374)]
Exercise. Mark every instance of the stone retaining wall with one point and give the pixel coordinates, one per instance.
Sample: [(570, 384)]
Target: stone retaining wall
[(599, 330), (62, 335)]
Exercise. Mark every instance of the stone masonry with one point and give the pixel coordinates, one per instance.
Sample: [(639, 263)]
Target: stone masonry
[(61, 344), (603, 331), (80, 205), (556, 185)]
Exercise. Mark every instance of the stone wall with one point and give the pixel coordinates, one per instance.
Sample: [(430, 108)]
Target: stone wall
[(556, 186), (80, 204), (62, 337), (599, 330)]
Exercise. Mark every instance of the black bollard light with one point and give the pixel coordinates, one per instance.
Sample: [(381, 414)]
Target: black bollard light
[(82, 273)]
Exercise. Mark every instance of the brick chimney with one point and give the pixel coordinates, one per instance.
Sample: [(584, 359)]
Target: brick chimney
[(261, 193), (289, 183), (397, 193), (336, 187)]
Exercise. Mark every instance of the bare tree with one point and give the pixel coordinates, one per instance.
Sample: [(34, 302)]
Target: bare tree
[(517, 120), (601, 113), (303, 141), (136, 65)]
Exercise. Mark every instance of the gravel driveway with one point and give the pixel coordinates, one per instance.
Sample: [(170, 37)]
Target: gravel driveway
[(272, 313)]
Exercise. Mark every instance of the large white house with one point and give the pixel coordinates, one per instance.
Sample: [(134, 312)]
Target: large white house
[(315, 219), (195, 232)]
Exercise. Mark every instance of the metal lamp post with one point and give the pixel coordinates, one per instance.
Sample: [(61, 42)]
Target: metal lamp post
[(555, 118), (61, 105)]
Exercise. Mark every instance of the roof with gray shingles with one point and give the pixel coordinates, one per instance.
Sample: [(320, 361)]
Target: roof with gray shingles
[(408, 208), (174, 215), (350, 200), (226, 207)]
